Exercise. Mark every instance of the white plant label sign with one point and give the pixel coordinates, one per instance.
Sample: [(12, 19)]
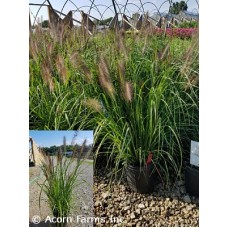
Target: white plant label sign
[(194, 155)]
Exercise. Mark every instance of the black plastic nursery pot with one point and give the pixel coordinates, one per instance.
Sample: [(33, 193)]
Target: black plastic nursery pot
[(56, 213), (192, 180), (141, 179), (63, 221)]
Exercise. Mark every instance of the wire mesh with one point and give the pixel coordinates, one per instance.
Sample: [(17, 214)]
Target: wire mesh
[(95, 13)]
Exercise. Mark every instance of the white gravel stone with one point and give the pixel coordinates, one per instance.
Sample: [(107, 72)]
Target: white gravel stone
[(141, 206), (137, 211), (105, 195), (132, 216), (189, 208), (127, 208)]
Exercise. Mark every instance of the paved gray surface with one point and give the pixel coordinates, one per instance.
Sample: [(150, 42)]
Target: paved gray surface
[(84, 196)]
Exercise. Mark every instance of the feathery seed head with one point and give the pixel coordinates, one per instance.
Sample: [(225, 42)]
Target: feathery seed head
[(94, 104), (104, 77)]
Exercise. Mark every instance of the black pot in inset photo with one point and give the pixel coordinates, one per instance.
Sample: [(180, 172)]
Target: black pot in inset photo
[(142, 179), (61, 221), (192, 180)]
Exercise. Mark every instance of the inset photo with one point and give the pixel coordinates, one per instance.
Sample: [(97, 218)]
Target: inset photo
[(60, 178)]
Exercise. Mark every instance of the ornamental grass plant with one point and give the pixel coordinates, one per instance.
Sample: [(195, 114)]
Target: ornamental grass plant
[(61, 178), (138, 92), (149, 104)]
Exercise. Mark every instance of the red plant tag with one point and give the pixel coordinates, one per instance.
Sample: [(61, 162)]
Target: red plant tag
[(149, 158)]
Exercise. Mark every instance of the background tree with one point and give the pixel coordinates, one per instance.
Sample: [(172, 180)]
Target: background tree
[(189, 24), (135, 16), (177, 7), (78, 149), (103, 22), (45, 24)]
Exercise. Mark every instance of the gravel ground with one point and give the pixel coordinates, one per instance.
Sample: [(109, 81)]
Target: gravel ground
[(83, 206), (119, 206)]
